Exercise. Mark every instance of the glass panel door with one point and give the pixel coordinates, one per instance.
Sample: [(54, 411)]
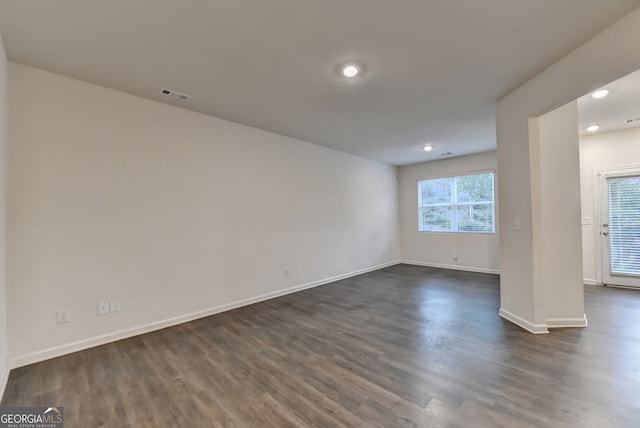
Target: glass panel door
[(620, 230)]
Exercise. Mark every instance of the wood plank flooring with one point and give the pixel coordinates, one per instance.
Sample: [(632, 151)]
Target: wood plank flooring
[(405, 346)]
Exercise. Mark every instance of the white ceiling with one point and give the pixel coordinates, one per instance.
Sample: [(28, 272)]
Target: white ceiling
[(434, 67), (620, 109)]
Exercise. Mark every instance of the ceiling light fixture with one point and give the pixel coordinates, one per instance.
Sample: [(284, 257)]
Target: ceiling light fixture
[(350, 70), (593, 128), (428, 148), (600, 93)]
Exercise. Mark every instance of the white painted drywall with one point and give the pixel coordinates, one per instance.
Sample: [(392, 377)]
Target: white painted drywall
[(4, 368), (171, 211), (475, 251), (607, 57), (601, 151), (557, 229)]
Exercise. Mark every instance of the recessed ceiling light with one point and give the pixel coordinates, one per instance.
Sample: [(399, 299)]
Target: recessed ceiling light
[(428, 148), (593, 128), (350, 69), (600, 93)]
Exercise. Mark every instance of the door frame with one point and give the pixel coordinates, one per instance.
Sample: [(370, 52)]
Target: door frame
[(600, 184)]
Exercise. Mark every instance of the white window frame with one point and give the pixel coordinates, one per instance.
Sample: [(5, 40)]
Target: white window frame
[(455, 206)]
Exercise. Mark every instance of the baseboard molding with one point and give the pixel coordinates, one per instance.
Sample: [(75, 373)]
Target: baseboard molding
[(590, 282), (4, 379), (567, 322), (57, 351), (453, 267), (625, 287), (521, 322)]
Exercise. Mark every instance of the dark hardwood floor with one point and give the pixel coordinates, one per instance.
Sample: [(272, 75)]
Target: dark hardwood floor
[(405, 346)]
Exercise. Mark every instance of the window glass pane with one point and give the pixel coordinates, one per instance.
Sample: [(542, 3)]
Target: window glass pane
[(435, 191), (436, 219), (475, 188), (475, 218), (457, 204), (624, 225)]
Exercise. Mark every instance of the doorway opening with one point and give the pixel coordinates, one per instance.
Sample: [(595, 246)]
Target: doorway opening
[(610, 183)]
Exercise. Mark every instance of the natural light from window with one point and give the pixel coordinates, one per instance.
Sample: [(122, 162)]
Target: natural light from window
[(463, 204)]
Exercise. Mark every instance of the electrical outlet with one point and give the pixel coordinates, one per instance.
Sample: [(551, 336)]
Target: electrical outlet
[(114, 305), (103, 307), (63, 316)]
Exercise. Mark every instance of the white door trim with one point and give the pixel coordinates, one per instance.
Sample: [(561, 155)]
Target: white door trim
[(600, 188)]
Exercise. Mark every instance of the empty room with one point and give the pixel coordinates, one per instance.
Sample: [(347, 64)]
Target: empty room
[(416, 213)]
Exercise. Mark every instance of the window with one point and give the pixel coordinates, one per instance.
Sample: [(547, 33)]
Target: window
[(457, 204), (624, 225)]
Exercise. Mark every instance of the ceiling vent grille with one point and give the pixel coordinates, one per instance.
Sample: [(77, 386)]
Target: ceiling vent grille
[(174, 94)]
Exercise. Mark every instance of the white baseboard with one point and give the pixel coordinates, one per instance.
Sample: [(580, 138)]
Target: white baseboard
[(567, 322), (4, 378), (454, 267), (590, 282), (530, 327), (57, 351)]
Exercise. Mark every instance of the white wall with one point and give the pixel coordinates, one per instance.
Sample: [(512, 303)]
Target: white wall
[(607, 57), (4, 369), (178, 214), (558, 241), (601, 151), (476, 252)]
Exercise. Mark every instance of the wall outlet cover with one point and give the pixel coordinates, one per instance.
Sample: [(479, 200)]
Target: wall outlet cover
[(103, 307)]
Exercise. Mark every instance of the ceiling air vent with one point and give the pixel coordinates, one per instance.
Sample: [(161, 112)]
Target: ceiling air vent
[(174, 94)]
